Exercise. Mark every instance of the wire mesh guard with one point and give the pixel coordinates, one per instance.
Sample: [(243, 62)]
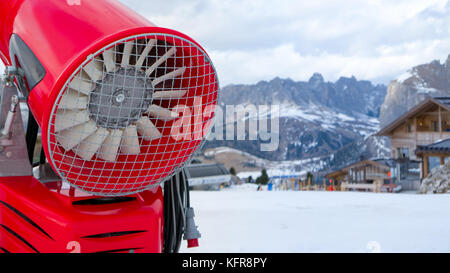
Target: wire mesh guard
[(133, 114)]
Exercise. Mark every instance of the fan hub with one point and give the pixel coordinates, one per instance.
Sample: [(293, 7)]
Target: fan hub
[(120, 99)]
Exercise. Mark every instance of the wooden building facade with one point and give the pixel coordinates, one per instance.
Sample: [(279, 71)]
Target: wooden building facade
[(415, 136), (368, 175), (423, 125), (434, 155)]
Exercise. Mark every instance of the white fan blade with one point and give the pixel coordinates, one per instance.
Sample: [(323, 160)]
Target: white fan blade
[(162, 113), (110, 60), (82, 84), (147, 129), (92, 144), (95, 70), (145, 53), (72, 100), (160, 61), (72, 137), (110, 147), (130, 141), (171, 75), (126, 54), (66, 119), (169, 94)]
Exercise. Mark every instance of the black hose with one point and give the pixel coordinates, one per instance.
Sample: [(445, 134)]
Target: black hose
[(31, 137), (168, 226), (175, 198), (42, 158), (180, 210)]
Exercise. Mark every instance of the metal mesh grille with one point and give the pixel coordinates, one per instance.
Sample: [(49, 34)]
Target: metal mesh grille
[(133, 114)]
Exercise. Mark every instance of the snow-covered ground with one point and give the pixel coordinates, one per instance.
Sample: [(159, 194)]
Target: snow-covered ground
[(245, 220)]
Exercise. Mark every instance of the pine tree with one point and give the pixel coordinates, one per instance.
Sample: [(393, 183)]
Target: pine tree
[(263, 179), (310, 178), (232, 171)]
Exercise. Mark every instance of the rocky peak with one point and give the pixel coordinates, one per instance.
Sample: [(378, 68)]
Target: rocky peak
[(316, 79), (421, 82)]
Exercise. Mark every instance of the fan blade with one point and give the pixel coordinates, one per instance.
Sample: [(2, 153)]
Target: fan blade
[(169, 94), (72, 137), (110, 147), (110, 60), (92, 144), (130, 141), (72, 100), (171, 75), (160, 61), (82, 84), (147, 129), (126, 54), (95, 70), (145, 53), (162, 113), (66, 119)]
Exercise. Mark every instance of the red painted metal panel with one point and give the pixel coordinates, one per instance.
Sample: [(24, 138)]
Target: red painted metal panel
[(34, 218)]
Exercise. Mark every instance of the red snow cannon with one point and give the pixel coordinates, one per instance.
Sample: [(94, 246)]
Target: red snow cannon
[(122, 106)]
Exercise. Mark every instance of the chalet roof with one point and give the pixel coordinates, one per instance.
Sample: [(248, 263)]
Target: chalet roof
[(442, 146), (364, 163), (444, 102), (336, 173), (206, 170), (386, 161), (376, 162)]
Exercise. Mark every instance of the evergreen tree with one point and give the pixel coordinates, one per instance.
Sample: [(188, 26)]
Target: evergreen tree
[(263, 179), (310, 178), (232, 171)]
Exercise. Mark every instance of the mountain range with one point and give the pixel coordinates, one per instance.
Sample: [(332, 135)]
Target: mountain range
[(331, 124), (317, 118)]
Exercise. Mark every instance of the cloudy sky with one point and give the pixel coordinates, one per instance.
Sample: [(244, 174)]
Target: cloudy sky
[(253, 40)]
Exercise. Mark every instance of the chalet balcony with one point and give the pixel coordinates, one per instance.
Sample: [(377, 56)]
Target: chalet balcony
[(427, 138)]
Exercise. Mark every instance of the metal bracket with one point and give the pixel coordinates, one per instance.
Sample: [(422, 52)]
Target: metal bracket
[(45, 174), (13, 148), (12, 73), (6, 132)]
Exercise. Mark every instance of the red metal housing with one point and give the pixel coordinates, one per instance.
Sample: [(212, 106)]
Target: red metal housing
[(63, 35), (47, 219)]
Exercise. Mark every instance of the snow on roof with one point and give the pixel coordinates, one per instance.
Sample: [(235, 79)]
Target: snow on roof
[(206, 170), (442, 146), (444, 100)]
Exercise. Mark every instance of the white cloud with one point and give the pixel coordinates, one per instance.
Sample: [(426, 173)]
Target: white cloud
[(236, 66), (258, 40), (252, 40)]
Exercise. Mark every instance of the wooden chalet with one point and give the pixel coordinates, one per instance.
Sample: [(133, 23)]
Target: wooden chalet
[(423, 125), (365, 175), (415, 136)]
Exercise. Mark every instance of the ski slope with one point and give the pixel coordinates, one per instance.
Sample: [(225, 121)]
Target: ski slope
[(244, 220)]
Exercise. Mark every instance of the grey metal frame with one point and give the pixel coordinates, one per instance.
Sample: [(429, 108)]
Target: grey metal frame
[(14, 160)]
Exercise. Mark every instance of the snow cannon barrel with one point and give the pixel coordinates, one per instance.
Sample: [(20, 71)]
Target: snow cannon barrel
[(122, 104)]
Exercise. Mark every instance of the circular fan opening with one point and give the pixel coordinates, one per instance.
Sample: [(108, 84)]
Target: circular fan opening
[(133, 114)]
